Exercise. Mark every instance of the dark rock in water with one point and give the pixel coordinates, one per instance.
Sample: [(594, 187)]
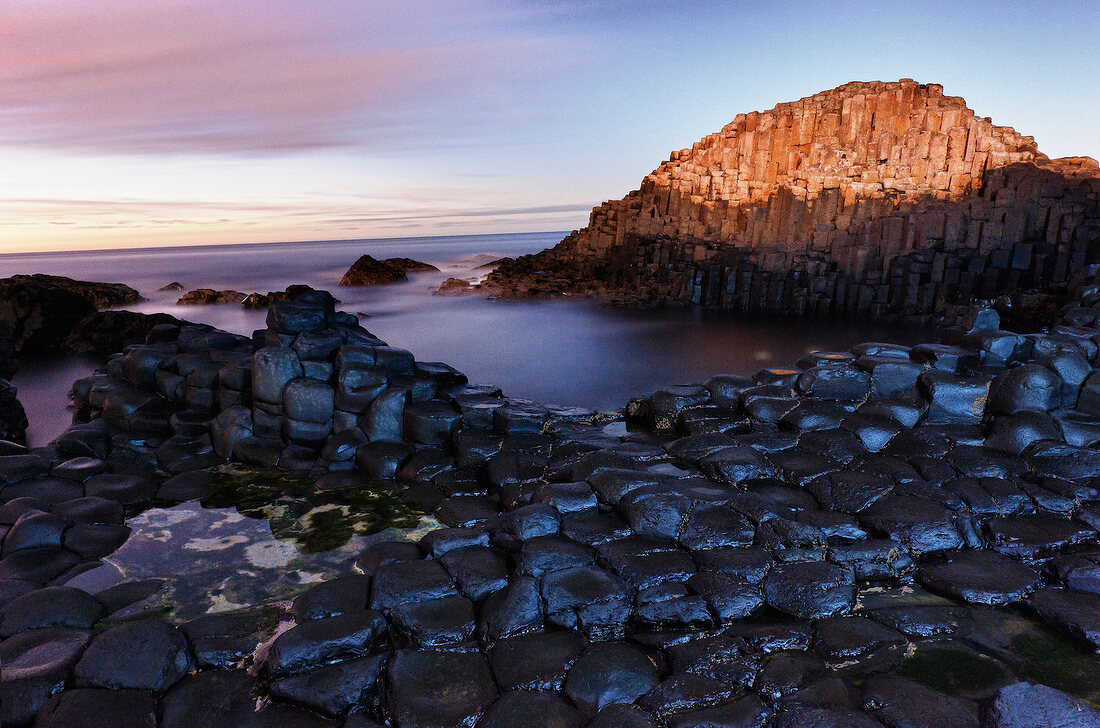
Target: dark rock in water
[(369, 272), (96, 707), (1036, 536), (36, 665), (147, 654), (454, 285), (292, 293), (902, 703), (610, 673), (522, 708), (810, 589), (13, 419), (1027, 705), (208, 296), (41, 309), (171, 287), (439, 689), (981, 576)]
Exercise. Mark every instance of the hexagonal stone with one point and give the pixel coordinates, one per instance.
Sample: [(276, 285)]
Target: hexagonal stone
[(748, 712), (33, 666), (404, 581), (902, 703), (318, 641), (982, 577), (535, 661), (1036, 536), (810, 590), (610, 673), (513, 610), (210, 699), (331, 689), (56, 606), (954, 399), (586, 597), (432, 623), (1023, 705), (522, 708), (439, 689), (225, 639), (95, 707), (848, 637), (922, 525), (147, 654), (477, 570), (1076, 613), (728, 596)]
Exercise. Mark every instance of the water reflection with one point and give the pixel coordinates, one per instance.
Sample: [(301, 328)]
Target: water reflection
[(261, 536)]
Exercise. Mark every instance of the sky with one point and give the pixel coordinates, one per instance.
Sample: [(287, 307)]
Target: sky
[(132, 123)]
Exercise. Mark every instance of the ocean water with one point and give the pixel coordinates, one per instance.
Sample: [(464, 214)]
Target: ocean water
[(571, 352)]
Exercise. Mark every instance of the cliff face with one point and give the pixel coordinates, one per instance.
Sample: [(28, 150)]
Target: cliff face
[(872, 198)]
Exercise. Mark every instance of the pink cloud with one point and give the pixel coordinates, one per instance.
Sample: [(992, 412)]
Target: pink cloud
[(201, 76)]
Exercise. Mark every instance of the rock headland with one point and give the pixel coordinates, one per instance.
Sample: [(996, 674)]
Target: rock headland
[(881, 200)]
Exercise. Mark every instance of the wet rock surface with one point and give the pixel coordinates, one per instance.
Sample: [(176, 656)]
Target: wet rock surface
[(851, 542)]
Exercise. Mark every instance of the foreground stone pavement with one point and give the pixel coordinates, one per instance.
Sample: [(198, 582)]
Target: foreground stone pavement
[(873, 537)]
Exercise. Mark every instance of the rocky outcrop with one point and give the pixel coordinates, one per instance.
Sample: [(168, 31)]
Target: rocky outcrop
[(13, 419), (41, 310), (106, 332), (876, 199), (171, 287), (263, 300), (208, 296), (368, 271)]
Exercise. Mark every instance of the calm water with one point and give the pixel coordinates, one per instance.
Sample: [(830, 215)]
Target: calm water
[(567, 352)]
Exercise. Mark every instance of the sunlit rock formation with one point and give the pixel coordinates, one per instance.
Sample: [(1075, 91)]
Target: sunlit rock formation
[(878, 199)]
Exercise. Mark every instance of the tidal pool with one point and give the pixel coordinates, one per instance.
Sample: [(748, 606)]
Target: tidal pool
[(261, 536)]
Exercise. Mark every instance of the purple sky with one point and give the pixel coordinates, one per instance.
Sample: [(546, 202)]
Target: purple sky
[(129, 122)]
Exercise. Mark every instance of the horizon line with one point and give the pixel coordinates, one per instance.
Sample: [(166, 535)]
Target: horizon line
[(273, 242)]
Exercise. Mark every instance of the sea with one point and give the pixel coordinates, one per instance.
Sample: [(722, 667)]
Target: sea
[(571, 351)]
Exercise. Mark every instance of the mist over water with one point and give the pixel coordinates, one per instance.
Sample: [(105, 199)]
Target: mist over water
[(570, 352)]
